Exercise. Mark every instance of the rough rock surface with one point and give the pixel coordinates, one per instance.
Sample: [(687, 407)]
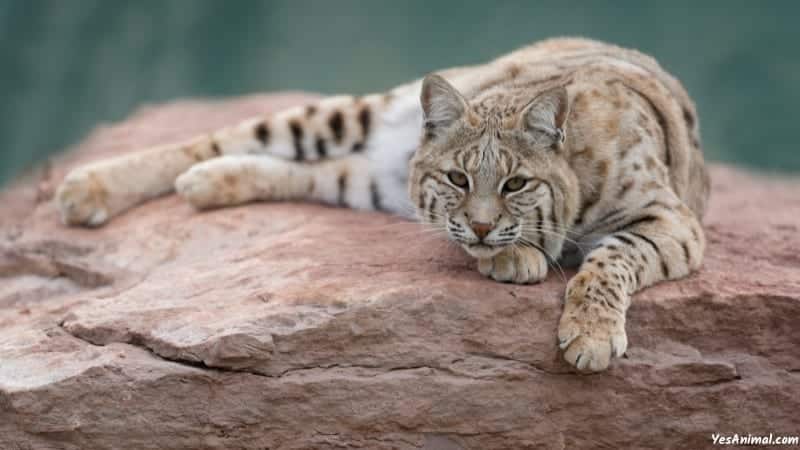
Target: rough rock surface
[(286, 326)]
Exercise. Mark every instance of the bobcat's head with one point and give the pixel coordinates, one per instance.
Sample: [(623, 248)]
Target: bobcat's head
[(494, 174)]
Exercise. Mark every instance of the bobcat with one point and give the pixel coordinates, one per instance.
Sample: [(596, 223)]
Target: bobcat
[(568, 149)]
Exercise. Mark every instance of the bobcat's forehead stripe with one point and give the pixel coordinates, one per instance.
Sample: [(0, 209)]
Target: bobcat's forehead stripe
[(297, 138), (507, 161), (310, 110), (336, 124)]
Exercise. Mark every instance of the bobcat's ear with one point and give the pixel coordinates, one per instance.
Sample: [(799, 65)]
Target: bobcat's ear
[(545, 116), (442, 104)]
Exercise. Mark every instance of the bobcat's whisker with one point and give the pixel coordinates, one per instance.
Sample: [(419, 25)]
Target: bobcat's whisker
[(577, 244), (550, 260)]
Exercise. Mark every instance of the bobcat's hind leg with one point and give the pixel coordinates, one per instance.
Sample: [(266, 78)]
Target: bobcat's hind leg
[(91, 194), (237, 179), (353, 181), (383, 127)]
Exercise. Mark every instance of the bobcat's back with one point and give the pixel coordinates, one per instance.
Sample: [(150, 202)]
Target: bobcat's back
[(588, 65)]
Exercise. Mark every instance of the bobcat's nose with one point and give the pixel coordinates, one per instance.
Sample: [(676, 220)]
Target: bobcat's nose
[(481, 229)]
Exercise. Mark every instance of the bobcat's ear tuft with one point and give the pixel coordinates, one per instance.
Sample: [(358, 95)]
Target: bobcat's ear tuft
[(546, 115), (442, 104)]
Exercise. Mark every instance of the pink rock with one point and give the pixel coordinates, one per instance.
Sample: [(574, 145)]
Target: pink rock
[(291, 326)]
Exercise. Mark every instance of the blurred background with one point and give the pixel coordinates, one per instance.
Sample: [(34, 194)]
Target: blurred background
[(68, 65)]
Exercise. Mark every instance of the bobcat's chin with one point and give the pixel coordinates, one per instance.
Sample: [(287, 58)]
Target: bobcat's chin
[(482, 251)]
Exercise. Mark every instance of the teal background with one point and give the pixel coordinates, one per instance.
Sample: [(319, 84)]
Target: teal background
[(68, 65)]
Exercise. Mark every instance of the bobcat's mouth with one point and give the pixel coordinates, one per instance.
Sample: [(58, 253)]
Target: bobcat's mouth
[(483, 250)]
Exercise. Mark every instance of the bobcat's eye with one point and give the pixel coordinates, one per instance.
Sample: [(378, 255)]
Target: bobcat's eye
[(458, 178), (514, 184)]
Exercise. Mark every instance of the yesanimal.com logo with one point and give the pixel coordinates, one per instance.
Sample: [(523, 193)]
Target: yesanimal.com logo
[(749, 439)]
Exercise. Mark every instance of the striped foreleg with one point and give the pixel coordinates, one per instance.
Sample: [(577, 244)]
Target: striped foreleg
[(663, 241)]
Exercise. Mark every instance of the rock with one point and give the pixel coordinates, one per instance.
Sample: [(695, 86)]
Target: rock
[(291, 326)]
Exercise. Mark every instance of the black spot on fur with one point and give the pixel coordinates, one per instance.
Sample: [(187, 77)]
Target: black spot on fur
[(655, 203), (617, 301), (375, 196), (624, 239), (607, 217), (215, 148), (358, 147), (197, 156), (540, 224), (342, 183), (297, 138), (322, 148), (336, 123), (686, 253), (365, 119), (432, 210), (262, 133), (638, 221), (311, 110), (688, 117), (690, 123), (664, 268)]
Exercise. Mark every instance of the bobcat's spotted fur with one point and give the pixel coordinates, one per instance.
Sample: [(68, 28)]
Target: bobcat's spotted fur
[(568, 149)]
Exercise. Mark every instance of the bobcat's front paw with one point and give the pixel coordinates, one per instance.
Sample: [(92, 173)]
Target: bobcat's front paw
[(82, 199), (592, 328), (521, 265), (202, 188)]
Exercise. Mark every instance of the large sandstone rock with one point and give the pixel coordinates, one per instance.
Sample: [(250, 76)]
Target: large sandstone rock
[(286, 326)]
